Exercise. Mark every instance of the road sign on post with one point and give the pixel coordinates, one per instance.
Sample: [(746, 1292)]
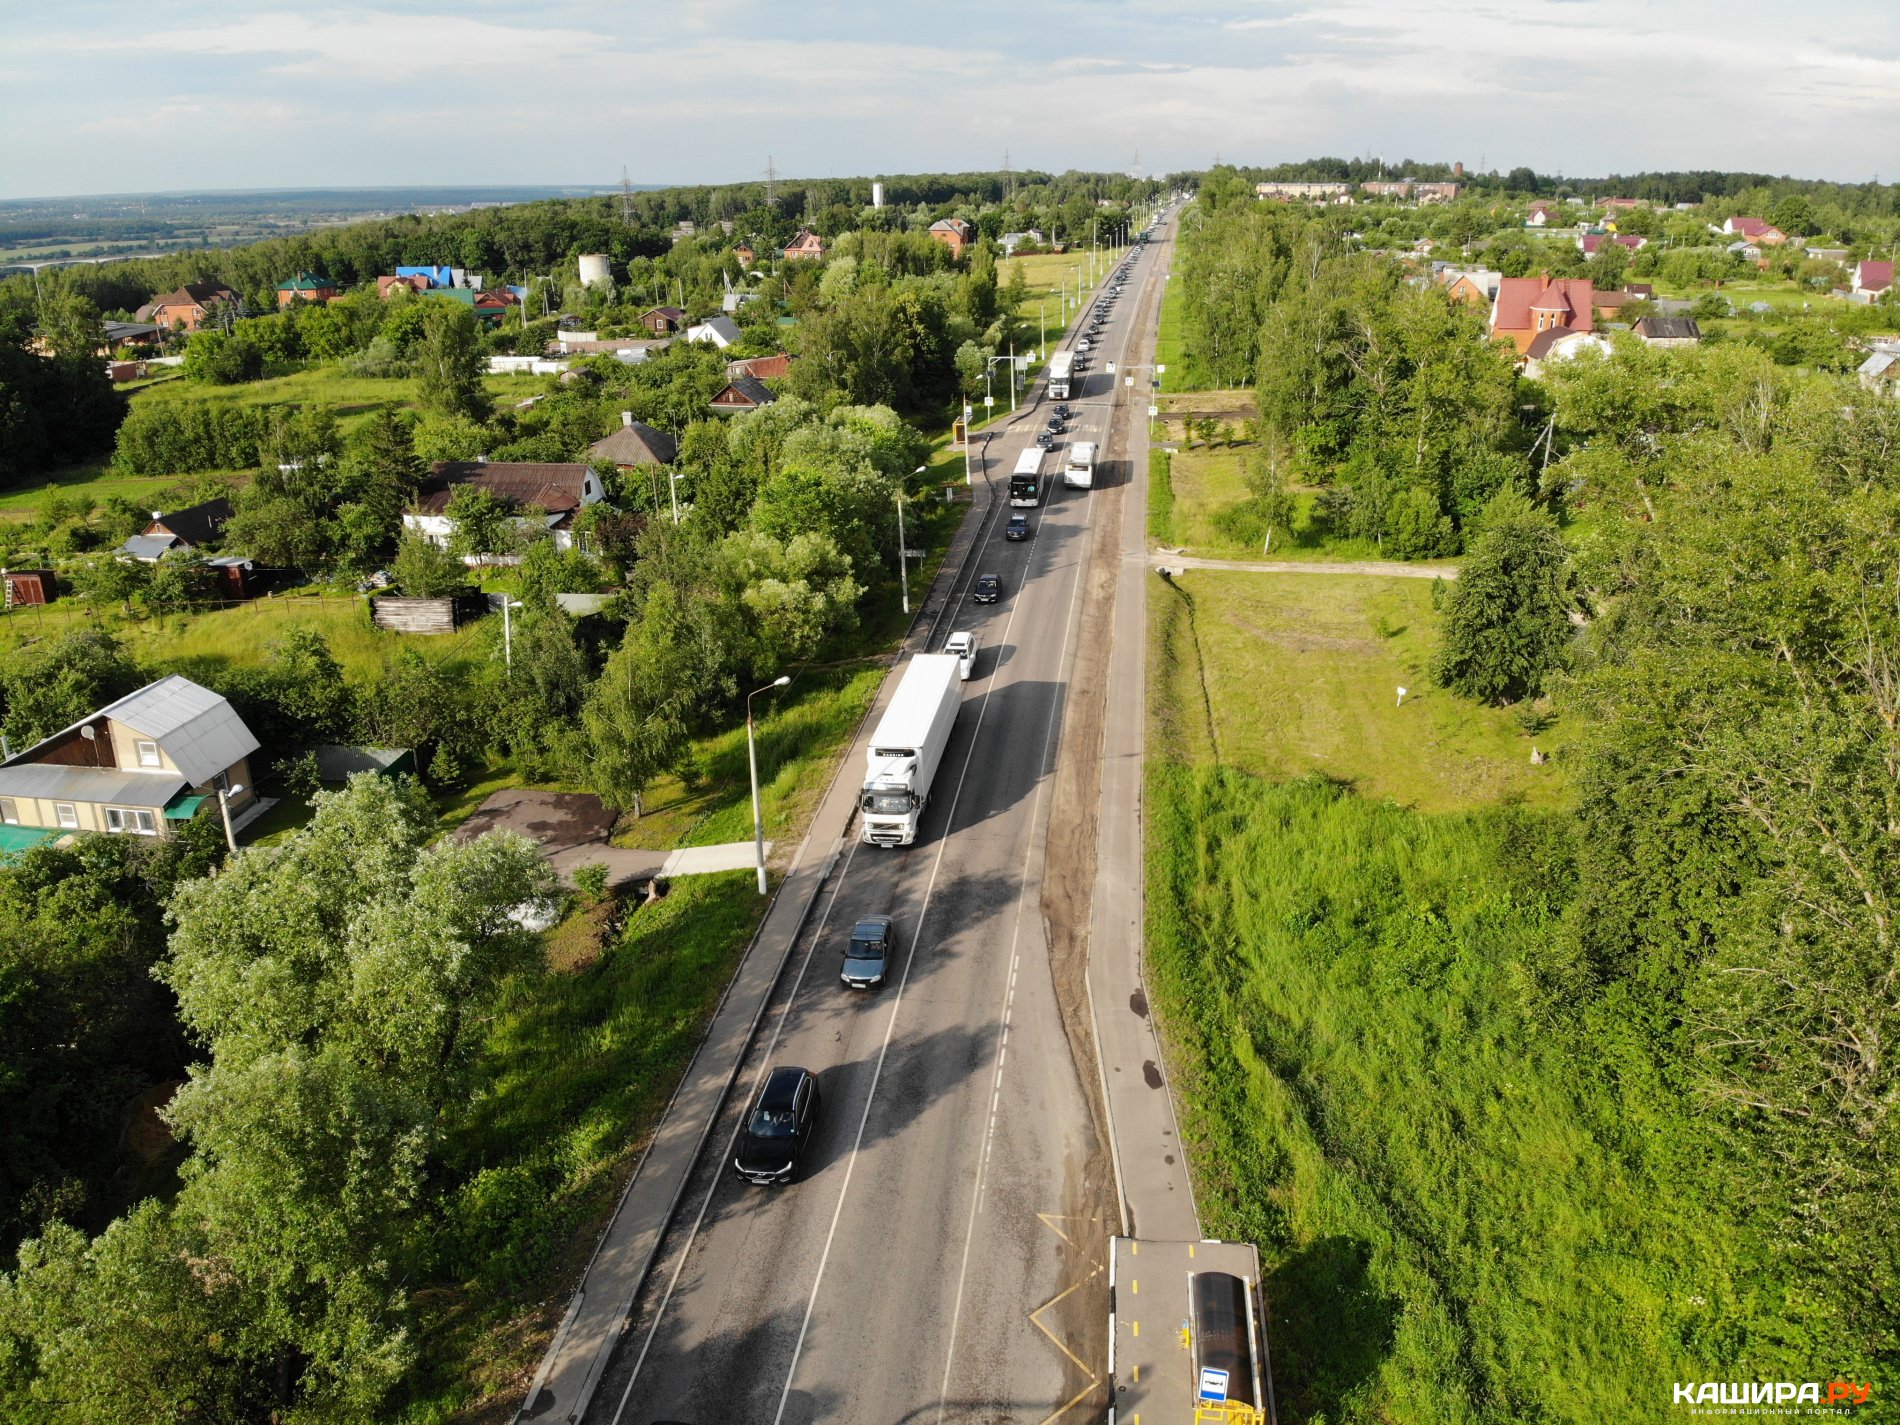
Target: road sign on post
[(1213, 1384)]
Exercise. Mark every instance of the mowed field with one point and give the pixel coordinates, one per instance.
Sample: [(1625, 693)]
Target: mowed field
[(1290, 675)]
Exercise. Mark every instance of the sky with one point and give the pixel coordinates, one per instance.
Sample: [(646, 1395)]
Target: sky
[(101, 96)]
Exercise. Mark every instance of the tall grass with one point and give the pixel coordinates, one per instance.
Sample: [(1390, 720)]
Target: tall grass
[(579, 1067), (1479, 1197), (1161, 497)]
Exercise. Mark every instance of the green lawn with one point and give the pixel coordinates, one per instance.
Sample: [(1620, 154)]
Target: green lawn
[(353, 399), (240, 635), (1298, 674), (800, 731), (96, 482)]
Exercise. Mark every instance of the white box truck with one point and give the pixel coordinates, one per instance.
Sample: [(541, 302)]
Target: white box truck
[(1078, 471), (907, 748)]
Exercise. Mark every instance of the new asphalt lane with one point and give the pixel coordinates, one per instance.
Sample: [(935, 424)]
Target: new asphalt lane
[(931, 1263)]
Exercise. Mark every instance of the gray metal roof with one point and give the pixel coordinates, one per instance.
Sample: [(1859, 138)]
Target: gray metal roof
[(199, 731), (97, 785), (148, 546)]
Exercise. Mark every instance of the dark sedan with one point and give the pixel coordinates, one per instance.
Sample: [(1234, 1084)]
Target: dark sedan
[(1017, 528), (989, 588), (779, 1127)]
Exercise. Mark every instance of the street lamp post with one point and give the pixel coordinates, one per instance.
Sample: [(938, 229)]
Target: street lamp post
[(752, 764), (224, 807), (508, 632), (903, 561)]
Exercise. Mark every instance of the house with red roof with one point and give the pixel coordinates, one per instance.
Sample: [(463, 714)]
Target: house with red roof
[(1541, 215), (1527, 307), (1756, 230), (806, 245), (765, 368), (1872, 279), (1592, 243), (548, 494), (189, 307), (953, 233)]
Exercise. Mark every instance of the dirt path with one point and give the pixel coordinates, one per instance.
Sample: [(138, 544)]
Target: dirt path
[(1392, 567)]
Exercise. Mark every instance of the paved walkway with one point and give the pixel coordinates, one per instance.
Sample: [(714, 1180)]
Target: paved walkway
[(584, 1343), (1150, 1166), (1161, 559)]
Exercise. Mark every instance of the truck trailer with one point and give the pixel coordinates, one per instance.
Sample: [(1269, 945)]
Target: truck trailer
[(1061, 370), (907, 749)]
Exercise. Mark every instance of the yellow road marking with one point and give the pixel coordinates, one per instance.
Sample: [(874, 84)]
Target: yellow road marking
[(1134, 1287), (1080, 1364), (1135, 1326), (1072, 1402)]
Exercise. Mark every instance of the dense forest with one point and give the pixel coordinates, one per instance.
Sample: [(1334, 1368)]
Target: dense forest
[(1678, 986)]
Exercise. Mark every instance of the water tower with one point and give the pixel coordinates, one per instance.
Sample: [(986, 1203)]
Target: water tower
[(595, 269)]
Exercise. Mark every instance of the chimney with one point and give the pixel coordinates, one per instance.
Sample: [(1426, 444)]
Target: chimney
[(626, 418)]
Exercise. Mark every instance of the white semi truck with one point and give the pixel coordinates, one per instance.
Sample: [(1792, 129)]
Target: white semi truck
[(1061, 370), (907, 748)]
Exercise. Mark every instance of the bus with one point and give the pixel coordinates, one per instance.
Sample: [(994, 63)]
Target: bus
[(1061, 368), (1078, 471), (1026, 484), (1224, 1338)]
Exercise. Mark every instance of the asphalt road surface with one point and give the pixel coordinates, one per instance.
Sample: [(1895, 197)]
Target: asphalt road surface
[(941, 1258)]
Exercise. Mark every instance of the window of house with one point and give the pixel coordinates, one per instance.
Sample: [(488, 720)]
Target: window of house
[(9, 811), (67, 815), (148, 754), (131, 819)]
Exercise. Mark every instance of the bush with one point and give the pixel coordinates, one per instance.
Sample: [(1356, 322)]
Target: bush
[(591, 882), (222, 360), (181, 437)]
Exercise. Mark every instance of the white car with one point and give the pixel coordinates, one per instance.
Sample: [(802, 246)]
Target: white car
[(962, 647)]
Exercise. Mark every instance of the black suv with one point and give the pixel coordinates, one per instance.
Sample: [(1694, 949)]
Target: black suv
[(989, 588), (1017, 528), (867, 959), (779, 1127)]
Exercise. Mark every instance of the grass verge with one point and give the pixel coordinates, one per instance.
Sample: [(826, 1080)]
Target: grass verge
[(582, 1063)]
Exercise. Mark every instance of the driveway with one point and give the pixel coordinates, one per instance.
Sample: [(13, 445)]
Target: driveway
[(572, 829)]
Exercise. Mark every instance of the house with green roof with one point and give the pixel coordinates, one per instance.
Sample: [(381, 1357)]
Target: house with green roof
[(305, 287)]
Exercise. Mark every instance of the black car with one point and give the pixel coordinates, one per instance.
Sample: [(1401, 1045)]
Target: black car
[(1045, 440), (989, 588), (1017, 528), (779, 1127), (867, 959), (1055, 423), (1062, 411)]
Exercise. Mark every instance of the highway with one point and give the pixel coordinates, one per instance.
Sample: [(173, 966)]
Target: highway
[(942, 1257)]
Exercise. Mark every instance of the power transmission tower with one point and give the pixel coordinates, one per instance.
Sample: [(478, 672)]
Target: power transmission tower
[(1009, 183), (1135, 172), (626, 198), (771, 183)]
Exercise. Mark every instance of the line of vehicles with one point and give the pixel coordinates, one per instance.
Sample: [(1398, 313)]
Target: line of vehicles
[(901, 767)]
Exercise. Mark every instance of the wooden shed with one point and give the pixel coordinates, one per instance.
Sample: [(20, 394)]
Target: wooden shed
[(30, 586)]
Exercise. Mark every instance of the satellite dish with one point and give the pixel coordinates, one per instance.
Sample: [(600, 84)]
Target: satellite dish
[(89, 732)]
